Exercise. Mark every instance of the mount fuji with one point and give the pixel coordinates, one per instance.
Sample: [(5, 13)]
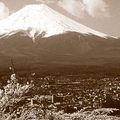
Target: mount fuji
[(36, 19), (58, 40)]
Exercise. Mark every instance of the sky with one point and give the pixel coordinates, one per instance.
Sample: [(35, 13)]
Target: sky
[(101, 15)]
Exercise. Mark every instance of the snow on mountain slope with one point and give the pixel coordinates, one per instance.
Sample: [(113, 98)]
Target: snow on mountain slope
[(38, 19)]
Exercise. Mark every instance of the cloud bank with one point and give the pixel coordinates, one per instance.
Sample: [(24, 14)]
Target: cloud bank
[(94, 8), (4, 11)]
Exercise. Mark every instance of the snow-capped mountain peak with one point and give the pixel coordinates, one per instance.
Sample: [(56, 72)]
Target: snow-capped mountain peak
[(41, 19)]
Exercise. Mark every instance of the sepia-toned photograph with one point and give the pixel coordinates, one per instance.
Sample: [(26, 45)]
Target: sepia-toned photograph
[(59, 59)]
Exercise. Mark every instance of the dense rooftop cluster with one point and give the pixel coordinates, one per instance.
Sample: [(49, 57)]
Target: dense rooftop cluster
[(58, 98)]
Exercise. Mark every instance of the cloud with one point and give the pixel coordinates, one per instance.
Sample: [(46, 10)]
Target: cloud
[(75, 7), (4, 11), (47, 1), (94, 8)]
